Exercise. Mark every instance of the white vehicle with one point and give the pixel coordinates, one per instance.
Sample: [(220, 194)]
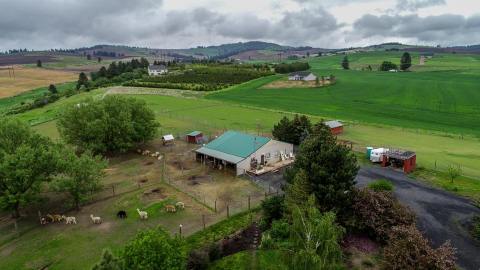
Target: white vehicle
[(376, 154)]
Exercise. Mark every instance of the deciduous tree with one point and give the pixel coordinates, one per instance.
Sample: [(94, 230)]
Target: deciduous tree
[(26, 161), (345, 63), (405, 61), (81, 175), (154, 249), (108, 262)]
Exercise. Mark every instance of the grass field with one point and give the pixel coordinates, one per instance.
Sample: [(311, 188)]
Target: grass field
[(434, 99), (180, 115), (30, 78)]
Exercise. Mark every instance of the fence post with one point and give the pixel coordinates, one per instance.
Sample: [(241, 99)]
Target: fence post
[(215, 205), (248, 202), (180, 230), (228, 211), (203, 220)]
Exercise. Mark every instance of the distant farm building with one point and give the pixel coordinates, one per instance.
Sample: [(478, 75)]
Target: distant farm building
[(336, 127), (422, 60), (406, 160), (155, 70), (243, 153), (302, 76), (195, 137), (168, 139)]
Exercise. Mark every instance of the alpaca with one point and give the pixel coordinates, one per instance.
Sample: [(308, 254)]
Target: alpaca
[(70, 220), (57, 218), (180, 205), (43, 220), (96, 220), (50, 218), (142, 214), (170, 208), (122, 214)]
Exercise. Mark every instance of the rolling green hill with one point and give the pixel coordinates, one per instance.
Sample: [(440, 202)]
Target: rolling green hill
[(442, 97)]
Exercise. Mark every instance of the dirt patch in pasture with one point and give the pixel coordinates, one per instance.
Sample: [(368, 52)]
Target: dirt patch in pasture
[(280, 84), (30, 78)]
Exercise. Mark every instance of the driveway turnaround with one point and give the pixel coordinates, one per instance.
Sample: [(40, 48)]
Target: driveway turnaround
[(441, 216)]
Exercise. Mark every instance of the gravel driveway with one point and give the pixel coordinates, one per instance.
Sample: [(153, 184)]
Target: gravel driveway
[(440, 214)]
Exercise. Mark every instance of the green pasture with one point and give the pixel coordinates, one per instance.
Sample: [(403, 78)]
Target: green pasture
[(444, 100)]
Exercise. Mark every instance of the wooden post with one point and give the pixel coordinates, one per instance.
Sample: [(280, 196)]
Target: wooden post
[(228, 211), (215, 205), (248, 202), (203, 220), (180, 230)]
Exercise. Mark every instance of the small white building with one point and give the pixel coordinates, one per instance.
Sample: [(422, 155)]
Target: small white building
[(241, 153), (302, 76), (155, 70), (168, 139)]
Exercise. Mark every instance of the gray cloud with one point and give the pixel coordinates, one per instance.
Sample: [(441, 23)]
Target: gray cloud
[(446, 28), (413, 5)]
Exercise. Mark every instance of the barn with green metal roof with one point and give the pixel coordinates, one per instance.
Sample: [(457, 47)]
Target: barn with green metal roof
[(239, 151)]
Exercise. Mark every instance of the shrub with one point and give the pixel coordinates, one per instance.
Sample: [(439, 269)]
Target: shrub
[(378, 212), (381, 185), (408, 249), (198, 260), (272, 209), (154, 249), (387, 65)]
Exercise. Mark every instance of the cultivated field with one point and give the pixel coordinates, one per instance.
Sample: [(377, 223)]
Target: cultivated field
[(29, 78), (441, 100)]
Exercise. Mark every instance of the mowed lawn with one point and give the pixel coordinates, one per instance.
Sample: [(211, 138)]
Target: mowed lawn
[(435, 99), (27, 78)]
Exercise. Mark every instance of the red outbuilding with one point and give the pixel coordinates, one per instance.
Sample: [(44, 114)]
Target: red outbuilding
[(406, 160), (195, 137), (336, 127)]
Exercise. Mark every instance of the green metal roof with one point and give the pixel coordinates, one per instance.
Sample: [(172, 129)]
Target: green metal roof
[(220, 155), (237, 144), (194, 133)]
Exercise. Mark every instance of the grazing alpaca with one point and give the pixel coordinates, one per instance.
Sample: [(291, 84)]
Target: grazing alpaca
[(122, 214), (57, 218), (70, 220), (142, 214), (43, 220), (170, 208), (180, 205), (50, 218), (96, 220)]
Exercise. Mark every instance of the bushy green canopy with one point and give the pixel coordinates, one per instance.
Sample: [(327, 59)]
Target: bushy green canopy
[(112, 124)]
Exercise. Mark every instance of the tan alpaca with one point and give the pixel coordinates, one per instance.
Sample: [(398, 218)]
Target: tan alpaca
[(170, 208), (96, 220), (142, 214), (70, 220), (180, 205)]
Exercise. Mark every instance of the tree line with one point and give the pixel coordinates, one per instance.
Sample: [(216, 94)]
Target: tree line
[(291, 67), (405, 63)]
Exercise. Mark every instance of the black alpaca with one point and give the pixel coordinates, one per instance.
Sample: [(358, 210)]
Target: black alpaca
[(122, 214)]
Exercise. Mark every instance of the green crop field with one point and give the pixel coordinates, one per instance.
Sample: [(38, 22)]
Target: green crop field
[(434, 99)]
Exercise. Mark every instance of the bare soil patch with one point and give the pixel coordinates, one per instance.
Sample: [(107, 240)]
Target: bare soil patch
[(294, 84)]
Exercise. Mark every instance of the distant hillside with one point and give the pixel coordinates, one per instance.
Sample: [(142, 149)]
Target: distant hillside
[(227, 50)]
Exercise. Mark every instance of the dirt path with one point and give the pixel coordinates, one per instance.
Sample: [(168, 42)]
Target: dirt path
[(441, 216)]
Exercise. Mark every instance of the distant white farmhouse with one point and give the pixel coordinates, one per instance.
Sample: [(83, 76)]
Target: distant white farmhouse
[(155, 70), (302, 76)]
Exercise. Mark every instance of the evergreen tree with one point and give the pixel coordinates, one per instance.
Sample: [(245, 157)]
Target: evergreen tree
[(298, 192), (99, 59), (52, 89), (39, 63), (345, 63), (405, 61), (330, 169), (89, 57), (108, 262), (102, 72), (82, 80)]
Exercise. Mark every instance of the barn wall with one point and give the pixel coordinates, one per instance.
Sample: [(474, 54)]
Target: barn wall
[(272, 149)]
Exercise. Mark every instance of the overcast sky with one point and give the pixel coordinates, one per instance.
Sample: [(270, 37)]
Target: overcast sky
[(43, 24)]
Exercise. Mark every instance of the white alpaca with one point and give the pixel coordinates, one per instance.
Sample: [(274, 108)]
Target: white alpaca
[(142, 214), (96, 220), (70, 220), (180, 205)]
